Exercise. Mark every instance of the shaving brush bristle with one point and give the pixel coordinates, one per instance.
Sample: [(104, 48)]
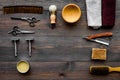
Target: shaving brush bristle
[(52, 8), (99, 70)]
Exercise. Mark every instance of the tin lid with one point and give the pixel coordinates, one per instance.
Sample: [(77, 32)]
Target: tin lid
[(23, 66)]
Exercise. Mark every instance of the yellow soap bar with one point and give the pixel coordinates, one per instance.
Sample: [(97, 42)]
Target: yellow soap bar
[(98, 54)]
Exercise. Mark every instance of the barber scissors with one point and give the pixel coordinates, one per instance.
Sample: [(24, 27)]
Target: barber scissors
[(16, 30), (31, 21)]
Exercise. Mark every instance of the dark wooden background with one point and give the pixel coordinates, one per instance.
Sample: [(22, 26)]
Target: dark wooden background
[(59, 53)]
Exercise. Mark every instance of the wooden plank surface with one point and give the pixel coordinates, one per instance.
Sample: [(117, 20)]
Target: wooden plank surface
[(57, 54)]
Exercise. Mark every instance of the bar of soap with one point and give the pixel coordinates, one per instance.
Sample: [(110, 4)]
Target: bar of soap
[(98, 54)]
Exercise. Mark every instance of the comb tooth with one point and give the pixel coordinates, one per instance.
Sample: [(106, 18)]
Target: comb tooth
[(99, 70)]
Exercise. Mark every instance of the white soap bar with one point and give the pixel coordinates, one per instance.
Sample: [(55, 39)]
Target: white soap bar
[(93, 8)]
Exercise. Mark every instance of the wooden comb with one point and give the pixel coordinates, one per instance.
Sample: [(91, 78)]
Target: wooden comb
[(22, 9)]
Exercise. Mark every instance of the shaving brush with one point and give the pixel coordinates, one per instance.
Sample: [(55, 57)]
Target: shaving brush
[(52, 9)]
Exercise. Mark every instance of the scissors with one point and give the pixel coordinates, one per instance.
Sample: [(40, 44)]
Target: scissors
[(16, 30), (31, 21)]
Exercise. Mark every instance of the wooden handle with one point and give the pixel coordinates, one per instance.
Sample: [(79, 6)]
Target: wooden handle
[(52, 19), (114, 69), (100, 35)]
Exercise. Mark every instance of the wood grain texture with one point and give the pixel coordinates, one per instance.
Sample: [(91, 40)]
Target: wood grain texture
[(55, 70), (57, 54)]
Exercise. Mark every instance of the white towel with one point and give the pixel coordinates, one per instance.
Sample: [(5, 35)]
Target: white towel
[(93, 8)]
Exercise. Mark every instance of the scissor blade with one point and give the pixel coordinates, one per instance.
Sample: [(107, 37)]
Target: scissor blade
[(27, 32), (18, 18), (10, 32)]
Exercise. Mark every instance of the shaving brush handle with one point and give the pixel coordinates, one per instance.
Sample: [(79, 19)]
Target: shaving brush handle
[(52, 18), (115, 69)]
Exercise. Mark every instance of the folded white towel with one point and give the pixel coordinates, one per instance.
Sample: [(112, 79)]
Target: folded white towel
[(93, 8)]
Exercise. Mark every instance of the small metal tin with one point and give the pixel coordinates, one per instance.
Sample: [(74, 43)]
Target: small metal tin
[(23, 66)]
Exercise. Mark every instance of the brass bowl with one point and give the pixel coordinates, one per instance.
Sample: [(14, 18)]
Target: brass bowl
[(71, 13), (23, 66)]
